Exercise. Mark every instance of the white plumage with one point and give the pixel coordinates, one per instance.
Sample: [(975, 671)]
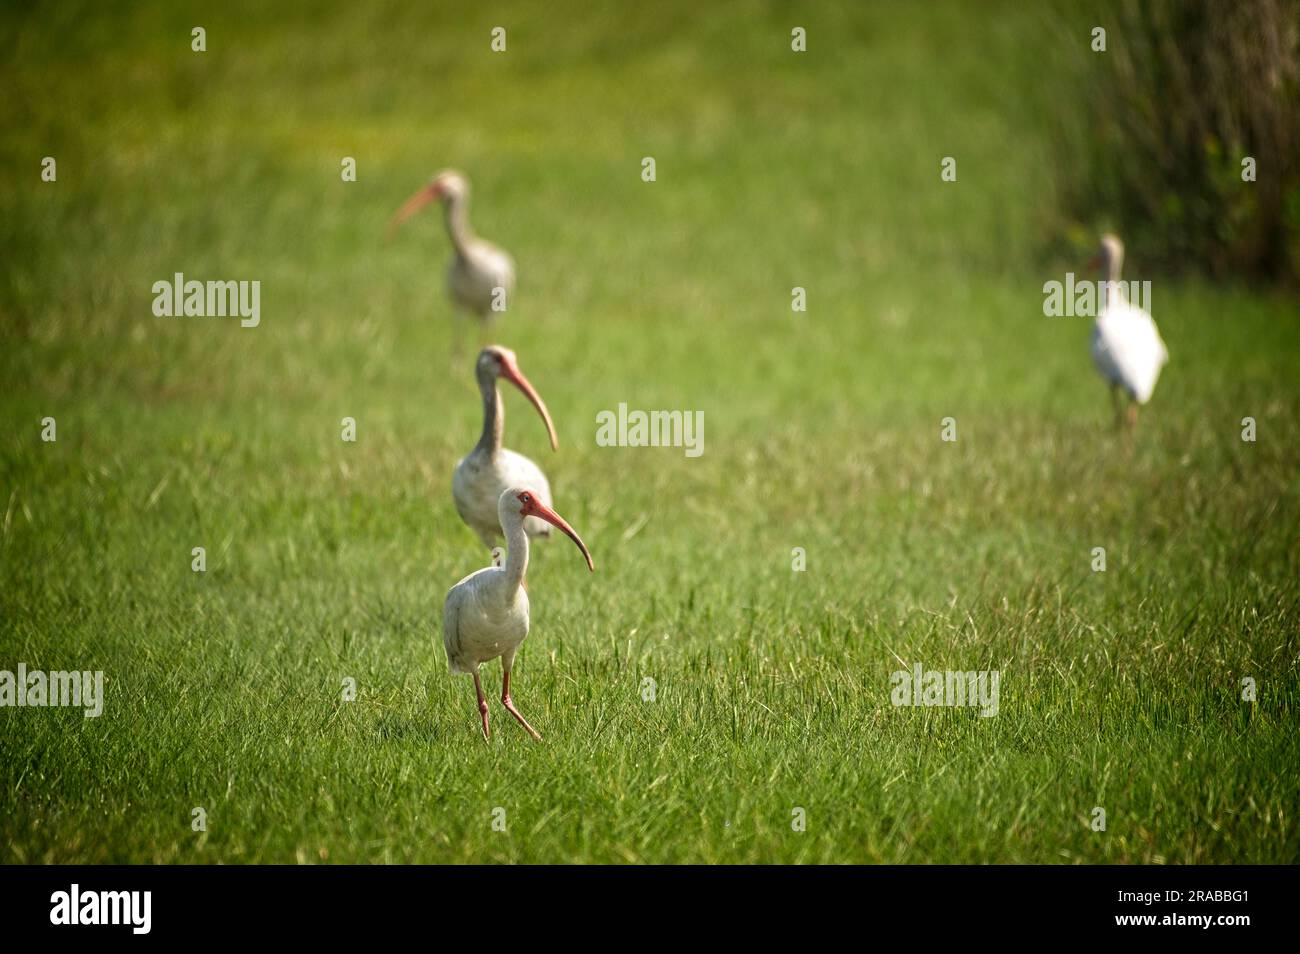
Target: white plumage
[(1126, 345), (476, 271), (487, 470), (478, 268), (479, 479), (485, 615), (1128, 350)]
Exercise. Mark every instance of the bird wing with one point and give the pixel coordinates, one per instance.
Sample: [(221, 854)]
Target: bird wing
[(494, 261), (1103, 357), (451, 630), (1128, 349), (476, 491)]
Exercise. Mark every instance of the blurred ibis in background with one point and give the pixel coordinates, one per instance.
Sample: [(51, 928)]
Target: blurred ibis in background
[(481, 276), (1126, 345)]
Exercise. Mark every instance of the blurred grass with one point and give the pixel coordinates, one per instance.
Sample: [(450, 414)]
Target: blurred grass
[(328, 560)]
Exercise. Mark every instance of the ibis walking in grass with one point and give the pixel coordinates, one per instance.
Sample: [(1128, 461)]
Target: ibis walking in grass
[(1126, 345), (486, 614), (481, 277), (489, 468)]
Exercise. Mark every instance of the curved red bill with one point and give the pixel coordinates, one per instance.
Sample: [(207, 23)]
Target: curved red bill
[(535, 509), (412, 205), (510, 371)]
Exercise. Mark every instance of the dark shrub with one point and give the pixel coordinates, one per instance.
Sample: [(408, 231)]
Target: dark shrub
[(1185, 91)]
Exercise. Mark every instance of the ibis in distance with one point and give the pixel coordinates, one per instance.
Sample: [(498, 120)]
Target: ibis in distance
[(481, 276), (1126, 345)]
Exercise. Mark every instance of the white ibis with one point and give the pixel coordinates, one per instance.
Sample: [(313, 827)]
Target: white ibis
[(481, 274), (1126, 345), (486, 614), (489, 468)]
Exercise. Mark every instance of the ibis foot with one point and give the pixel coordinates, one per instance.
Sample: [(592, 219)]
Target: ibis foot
[(510, 707)]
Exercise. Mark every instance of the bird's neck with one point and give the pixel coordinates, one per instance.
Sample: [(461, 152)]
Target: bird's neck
[(458, 230), (516, 557), (494, 418), (1114, 292)]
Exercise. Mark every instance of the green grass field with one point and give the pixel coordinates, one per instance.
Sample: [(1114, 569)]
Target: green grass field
[(327, 560)]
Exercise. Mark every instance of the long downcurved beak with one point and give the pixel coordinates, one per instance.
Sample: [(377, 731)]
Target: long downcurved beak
[(412, 205), (510, 371), (536, 509)]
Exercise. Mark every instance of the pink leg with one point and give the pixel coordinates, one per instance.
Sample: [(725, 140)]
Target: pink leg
[(482, 705), (510, 706)]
